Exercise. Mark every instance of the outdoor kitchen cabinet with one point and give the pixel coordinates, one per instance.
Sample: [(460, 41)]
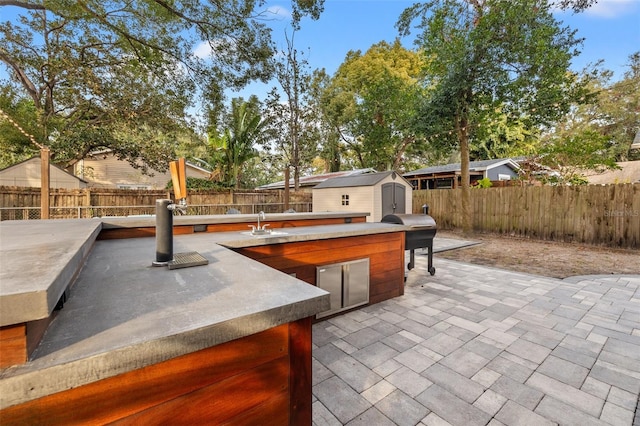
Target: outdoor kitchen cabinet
[(347, 283)]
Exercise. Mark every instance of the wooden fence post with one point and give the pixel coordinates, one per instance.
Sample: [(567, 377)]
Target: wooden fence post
[(45, 154)]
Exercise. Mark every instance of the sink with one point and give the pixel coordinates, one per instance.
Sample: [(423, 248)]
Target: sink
[(269, 233)]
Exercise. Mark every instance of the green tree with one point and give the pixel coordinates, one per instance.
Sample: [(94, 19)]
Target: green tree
[(329, 149), (613, 112), (371, 100), (503, 138), (233, 146), (15, 146), (487, 58), (293, 125), (594, 135), (620, 107), (121, 75), (570, 156)]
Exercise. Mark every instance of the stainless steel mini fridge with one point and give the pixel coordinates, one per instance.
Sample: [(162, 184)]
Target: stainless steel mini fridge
[(347, 282)]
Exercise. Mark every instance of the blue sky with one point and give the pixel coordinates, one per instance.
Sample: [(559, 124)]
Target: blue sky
[(611, 30)]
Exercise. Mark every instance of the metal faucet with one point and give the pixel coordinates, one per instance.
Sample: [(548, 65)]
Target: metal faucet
[(260, 229), (180, 207)]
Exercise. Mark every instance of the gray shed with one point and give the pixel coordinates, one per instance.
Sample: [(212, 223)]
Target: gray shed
[(379, 194)]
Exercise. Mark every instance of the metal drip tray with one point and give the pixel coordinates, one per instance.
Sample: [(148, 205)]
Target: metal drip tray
[(185, 260)]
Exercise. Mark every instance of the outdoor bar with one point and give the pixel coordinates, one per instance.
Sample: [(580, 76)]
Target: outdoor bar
[(90, 331)]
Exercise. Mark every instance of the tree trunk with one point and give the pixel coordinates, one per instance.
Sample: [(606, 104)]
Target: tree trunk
[(463, 137)]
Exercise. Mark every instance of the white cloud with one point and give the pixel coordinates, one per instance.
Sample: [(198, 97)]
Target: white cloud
[(202, 50), (278, 12), (612, 8)]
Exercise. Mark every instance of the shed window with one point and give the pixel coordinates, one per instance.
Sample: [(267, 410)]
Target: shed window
[(504, 177), (345, 199)]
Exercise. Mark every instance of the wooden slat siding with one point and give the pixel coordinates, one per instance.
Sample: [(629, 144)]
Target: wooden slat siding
[(223, 401), (298, 248), (122, 233), (385, 253), (13, 345), (301, 378), (384, 263), (591, 214), (140, 232), (273, 412), (325, 252), (261, 360), (17, 342)]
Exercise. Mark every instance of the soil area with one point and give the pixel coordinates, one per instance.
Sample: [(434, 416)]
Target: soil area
[(546, 258)]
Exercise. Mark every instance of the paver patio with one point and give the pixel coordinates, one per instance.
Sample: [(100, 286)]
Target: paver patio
[(475, 345)]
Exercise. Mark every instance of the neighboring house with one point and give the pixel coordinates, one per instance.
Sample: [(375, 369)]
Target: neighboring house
[(306, 183), (28, 174), (378, 194), (104, 170), (629, 172), (636, 142), (449, 175)]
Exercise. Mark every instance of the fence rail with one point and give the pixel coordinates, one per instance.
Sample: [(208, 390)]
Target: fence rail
[(83, 212), (593, 214)]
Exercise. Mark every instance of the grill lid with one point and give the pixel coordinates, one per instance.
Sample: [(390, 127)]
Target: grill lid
[(418, 221)]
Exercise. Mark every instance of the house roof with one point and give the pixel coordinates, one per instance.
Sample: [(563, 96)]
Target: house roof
[(629, 172), (370, 179), (313, 180), (103, 153), (455, 167), (636, 141), (38, 159)]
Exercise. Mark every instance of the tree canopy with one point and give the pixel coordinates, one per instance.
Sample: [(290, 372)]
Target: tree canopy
[(485, 59), (234, 141), (122, 75), (294, 129), (613, 112), (371, 99)]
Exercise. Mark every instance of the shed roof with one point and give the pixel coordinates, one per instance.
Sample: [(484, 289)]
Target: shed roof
[(316, 179), (455, 167), (351, 181)]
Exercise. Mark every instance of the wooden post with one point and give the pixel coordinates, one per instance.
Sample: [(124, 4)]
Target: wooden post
[(87, 202), (45, 154), (286, 188)]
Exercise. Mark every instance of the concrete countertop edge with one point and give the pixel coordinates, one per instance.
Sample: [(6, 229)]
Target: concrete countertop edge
[(69, 273), (11, 304), (254, 241), (133, 222), (28, 382)]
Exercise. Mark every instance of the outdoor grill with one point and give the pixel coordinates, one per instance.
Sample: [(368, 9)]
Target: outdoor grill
[(420, 235)]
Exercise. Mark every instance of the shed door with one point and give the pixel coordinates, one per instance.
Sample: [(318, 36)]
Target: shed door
[(393, 198)]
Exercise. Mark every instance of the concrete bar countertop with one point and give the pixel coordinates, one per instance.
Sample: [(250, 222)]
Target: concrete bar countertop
[(146, 221), (39, 258), (123, 314)]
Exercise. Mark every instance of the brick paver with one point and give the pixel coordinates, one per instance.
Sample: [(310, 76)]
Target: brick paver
[(482, 346)]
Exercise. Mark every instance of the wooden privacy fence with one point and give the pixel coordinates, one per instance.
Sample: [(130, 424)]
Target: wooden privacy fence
[(24, 203), (592, 214)]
